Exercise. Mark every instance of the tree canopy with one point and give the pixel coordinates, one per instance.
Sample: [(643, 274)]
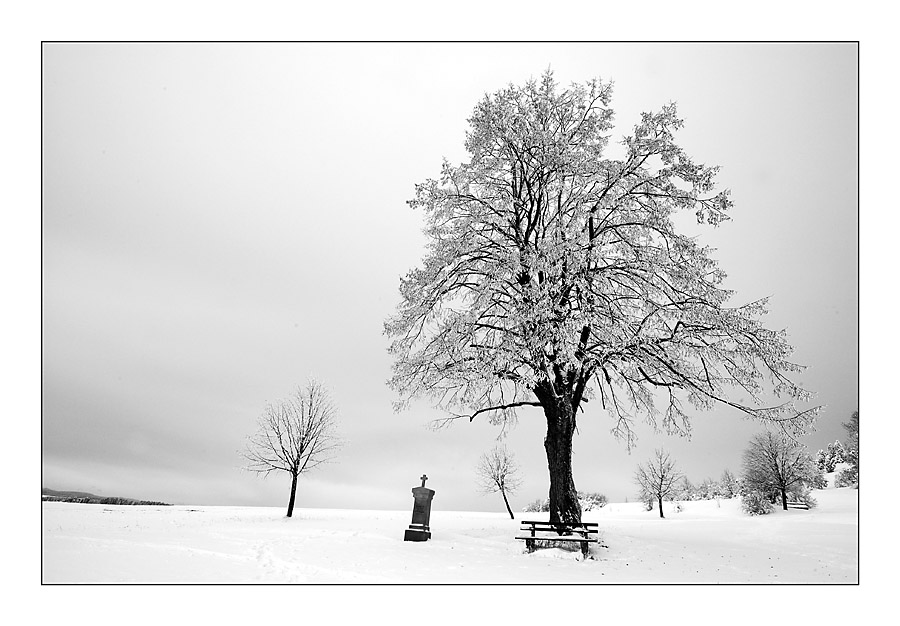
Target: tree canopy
[(551, 267)]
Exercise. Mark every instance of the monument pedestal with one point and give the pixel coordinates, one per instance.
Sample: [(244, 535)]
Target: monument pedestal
[(419, 530), (416, 534)]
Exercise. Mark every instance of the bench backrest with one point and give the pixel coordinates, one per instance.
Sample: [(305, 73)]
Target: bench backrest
[(557, 528)]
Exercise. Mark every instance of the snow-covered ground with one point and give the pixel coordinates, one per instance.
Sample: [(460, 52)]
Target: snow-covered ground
[(707, 542)]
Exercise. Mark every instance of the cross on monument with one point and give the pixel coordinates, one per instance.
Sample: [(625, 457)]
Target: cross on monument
[(423, 478)]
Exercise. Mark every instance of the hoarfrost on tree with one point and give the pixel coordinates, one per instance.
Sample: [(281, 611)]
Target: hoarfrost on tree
[(554, 275)]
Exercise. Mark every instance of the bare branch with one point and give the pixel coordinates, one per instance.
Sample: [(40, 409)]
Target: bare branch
[(503, 407)]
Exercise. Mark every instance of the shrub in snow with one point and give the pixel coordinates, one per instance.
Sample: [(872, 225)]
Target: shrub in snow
[(591, 501), (846, 478), (686, 490), (538, 506), (588, 502), (755, 502), (804, 495), (817, 481), (707, 490)]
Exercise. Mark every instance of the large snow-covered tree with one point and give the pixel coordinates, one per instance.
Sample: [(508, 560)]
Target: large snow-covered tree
[(554, 275)]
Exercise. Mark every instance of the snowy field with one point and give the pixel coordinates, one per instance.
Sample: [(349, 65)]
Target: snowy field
[(707, 542)]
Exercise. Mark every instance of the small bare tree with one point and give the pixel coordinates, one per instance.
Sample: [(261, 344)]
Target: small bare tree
[(658, 478), (497, 471), (294, 435)]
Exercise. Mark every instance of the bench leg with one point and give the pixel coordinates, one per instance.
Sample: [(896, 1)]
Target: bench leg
[(584, 549), (529, 545)]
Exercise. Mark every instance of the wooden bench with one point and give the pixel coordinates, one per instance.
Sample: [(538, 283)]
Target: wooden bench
[(797, 505), (584, 533)]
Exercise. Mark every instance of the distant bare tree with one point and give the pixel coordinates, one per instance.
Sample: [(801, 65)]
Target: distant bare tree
[(775, 465), (294, 435), (498, 471), (658, 478)]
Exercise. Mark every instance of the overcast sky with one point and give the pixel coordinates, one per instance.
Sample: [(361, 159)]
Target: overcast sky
[(222, 221)]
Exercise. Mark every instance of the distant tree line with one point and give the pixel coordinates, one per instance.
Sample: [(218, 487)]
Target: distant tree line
[(776, 469), (728, 486), (98, 500)]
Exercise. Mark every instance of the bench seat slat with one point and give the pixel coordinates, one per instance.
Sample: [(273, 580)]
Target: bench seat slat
[(566, 531), (557, 530), (580, 533), (590, 524), (566, 538)]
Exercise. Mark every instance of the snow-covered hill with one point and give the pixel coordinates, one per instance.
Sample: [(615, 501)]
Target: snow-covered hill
[(708, 541)]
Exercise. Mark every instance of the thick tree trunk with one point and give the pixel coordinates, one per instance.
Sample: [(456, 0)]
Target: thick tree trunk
[(659, 498), (293, 493), (506, 502), (564, 507), (784, 498)]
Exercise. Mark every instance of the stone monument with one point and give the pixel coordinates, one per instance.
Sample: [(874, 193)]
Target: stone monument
[(419, 530)]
